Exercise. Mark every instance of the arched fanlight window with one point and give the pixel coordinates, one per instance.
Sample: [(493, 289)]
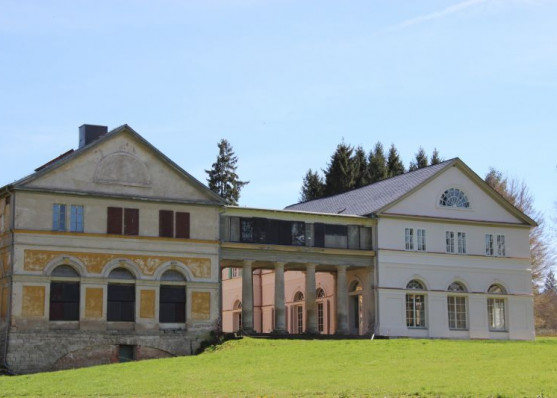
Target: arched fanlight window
[(65, 271), (355, 287), (299, 296), (415, 285), (173, 276), (121, 273), (496, 289), (456, 287), (454, 197), (320, 293), (238, 305)]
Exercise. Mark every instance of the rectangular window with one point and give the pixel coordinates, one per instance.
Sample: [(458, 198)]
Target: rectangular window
[(421, 239), (501, 245), (449, 241), (166, 223), (489, 245), (320, 319), (415, 310), (182, 225), (235, 272), (496, 313), (172, 304), (126, 353), (461, 242), (64, 301), (121, 303), (122, 221), (76, 218), (457, 312), (58, 217), (409, 238), (174, 225), (299, 319)]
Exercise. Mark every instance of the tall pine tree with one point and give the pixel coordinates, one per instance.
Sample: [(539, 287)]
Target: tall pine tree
[(377, 164), (223, 179), (435, 159), (395, 166), (361, 172), (339, 175), (420, 160), (312, 187)]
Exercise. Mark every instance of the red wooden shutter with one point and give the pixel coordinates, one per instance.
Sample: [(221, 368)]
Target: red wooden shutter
[(182, 225), (131, 221), (114, 220), (166, 223)]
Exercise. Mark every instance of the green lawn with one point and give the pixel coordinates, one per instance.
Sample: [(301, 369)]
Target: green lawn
[(338, 368)]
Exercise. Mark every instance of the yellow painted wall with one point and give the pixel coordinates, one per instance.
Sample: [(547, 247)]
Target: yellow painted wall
[(201, 305), (33, 301), (93, 302), (147, 304)]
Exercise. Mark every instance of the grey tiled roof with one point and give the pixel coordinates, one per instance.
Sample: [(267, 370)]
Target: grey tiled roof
[(371, 198)]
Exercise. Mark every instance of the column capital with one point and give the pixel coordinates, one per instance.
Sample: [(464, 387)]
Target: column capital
[(248, 263), (311, 265), (279, 264)]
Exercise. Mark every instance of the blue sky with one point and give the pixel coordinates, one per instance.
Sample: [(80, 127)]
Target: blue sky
[(285, 82)]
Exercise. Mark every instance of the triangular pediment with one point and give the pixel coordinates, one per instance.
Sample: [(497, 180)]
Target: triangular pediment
[(479, 201), (121, 163)]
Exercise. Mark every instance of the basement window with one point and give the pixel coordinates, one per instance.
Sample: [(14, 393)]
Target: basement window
[(126, 353)]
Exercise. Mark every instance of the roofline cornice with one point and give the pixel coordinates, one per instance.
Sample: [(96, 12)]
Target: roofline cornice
[(453, 220)]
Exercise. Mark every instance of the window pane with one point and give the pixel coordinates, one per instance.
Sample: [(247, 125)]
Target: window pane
[(58, 217), (64, 301), (121, 303), (76, 218), (172, 307)]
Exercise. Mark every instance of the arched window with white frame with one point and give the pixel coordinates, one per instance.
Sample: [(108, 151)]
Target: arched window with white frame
[(496, 308), (415, 304), (456, 306)]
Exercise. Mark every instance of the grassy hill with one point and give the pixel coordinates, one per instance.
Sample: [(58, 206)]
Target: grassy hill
[(339, 368)]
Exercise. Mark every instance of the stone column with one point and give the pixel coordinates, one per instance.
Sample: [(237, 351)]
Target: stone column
[(311, 307), (247, 296), (342, 301), (280, 316)]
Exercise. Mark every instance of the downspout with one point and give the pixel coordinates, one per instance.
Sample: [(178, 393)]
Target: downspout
[(375, 240), (11, 276)]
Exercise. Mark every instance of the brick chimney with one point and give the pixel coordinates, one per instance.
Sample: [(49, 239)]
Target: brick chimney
[(89, 133)]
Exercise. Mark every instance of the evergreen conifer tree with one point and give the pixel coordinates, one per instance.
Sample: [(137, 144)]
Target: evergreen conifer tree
[(395, 166), (420, 160), (339, 175), (550, 284), (435, 159), (361, 171), (222, 178), (312, 187), (377, 164)]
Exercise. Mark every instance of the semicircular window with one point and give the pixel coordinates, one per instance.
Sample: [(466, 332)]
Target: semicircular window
[(454, 197), (415, 285)]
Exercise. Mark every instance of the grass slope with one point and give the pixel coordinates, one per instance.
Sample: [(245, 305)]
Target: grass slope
[(252, 367)]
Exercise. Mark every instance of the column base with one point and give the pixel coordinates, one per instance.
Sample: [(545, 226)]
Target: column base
[(280, 333)]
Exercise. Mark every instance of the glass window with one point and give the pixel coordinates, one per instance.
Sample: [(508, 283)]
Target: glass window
[(415, 305), (461, 242), (489, 245), (76, 218), (496, 313), (449, 241), (409, 238), (501, 245), (64, 295), (121, 297), (421, 239), (454, 197), (320, 319), (58, 217), (457, 312), (172, 305)]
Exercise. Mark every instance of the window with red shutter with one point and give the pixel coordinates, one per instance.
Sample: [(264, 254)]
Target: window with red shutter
[(114, 220), (131, 221), (166, 223), (182, 225)]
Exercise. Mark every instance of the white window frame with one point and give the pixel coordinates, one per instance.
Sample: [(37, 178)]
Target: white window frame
[(421, 237), (58, 217), (489, 245), (449, 242), (457, 305), (409, 238), (497, 320), (461, 238), (501, 250)]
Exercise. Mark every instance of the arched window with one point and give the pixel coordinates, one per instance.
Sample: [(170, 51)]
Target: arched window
[(454, 197), (415, 305), (456, 304), (496, 308), (355, 287), (64, 294), (299, 296), (320, 293), (121, 296), (172, 298)]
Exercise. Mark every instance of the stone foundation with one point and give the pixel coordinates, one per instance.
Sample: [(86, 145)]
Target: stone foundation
[(33, 351)]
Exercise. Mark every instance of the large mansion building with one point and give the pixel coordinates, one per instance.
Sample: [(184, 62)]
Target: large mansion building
[(112, 252)]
